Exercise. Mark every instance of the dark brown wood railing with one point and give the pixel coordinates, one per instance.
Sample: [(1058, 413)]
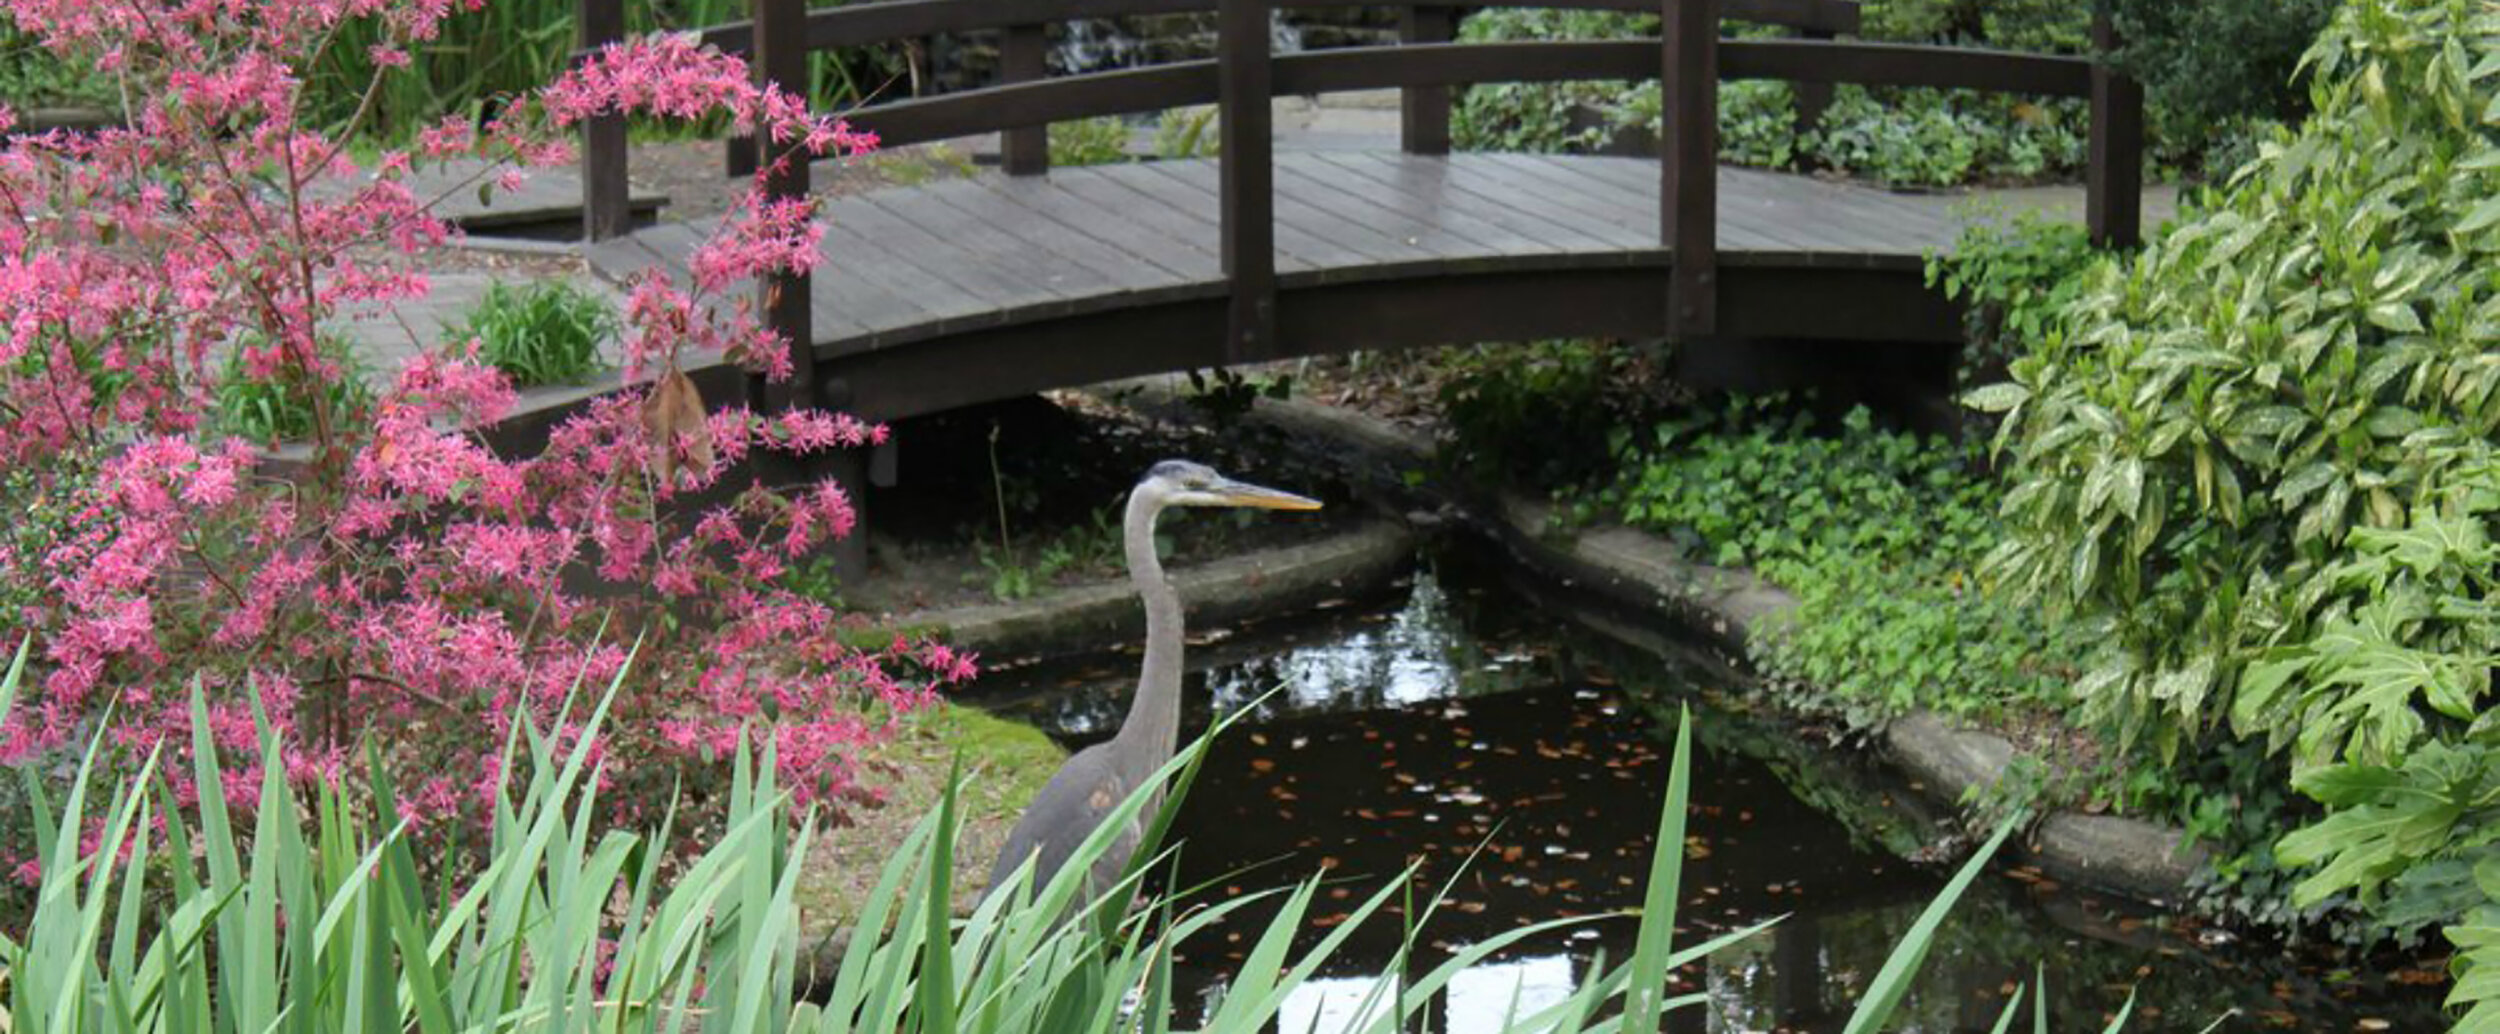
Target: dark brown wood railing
[(1690, 58)]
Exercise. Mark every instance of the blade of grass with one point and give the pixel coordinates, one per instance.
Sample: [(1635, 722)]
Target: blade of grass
[(1891, 983)]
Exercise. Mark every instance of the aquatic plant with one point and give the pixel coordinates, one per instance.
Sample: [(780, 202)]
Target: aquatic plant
[(331, 925)]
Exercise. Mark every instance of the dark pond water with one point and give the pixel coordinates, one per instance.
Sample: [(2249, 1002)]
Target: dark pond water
[(1461, 720)]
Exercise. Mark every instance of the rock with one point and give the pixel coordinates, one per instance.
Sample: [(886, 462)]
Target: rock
[(2120, 855), (1950, 761), (1088, 618)]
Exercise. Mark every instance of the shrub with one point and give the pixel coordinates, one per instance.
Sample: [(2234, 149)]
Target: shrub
[(2211, 66), (1186, 133), (1547, 414), (1901, 136), (2014, 278), (2257, 459), (546, 333), (402, 583)]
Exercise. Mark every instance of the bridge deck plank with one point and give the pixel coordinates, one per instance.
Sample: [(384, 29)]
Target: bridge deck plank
[(1429, 186), (907, 264), (1186, 258)]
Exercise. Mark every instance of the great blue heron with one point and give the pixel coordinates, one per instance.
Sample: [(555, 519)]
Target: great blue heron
[(1094, 782)]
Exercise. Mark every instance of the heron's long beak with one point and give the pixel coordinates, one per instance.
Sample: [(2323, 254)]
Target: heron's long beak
[(1241, 493)]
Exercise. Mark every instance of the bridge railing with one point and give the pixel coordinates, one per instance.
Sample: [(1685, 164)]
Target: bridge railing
[(1689, 57)]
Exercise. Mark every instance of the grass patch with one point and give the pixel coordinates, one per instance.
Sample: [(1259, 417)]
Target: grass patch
[(1007, 762)]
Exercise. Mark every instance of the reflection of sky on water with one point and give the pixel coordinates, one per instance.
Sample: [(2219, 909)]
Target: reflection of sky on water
[(1410, 658), (1481, 998)]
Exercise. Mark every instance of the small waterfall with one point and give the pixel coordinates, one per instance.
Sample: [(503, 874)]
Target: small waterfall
[(1283, 37), (1095, 45)]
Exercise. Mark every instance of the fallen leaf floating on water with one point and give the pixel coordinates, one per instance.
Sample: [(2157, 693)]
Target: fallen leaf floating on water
[(673, 416)]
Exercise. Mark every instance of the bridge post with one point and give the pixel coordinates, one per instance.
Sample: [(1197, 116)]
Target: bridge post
[(1812, 98), (1245, 81), (780, 56), (2114, 170), (1023, 56), (1688, 199), (605, 209), (1424, 111)]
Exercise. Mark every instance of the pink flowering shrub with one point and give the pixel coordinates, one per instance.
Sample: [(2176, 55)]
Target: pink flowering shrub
[(394, 580)]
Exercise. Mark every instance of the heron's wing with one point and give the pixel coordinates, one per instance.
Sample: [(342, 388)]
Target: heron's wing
[(1085, 789)]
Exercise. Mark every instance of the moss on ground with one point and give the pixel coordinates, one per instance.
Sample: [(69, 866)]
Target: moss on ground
[(1005, 764)]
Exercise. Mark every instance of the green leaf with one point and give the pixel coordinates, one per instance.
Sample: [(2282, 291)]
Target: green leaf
[(1996, 398)]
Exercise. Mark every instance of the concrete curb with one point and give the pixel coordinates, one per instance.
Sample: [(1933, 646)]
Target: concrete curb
[(1269, 581), (2126, 856)]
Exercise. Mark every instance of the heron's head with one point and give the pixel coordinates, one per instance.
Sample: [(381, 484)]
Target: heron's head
[(1184, 483)]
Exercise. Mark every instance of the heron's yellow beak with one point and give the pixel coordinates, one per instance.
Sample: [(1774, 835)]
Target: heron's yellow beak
[(1239, 493)]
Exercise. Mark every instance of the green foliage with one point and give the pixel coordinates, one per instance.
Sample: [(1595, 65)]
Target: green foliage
[(546, 333), (1186, 133), (1902, 136), (2310, 354), (1547, 414), (2212, 66), (573, 930), (1226, 395), (1922, 137), (281, 409), (33, 77), (2014, 278), (1093, 141), (1565, 116), (1020, 573), (2257, 460), (1878, 534)]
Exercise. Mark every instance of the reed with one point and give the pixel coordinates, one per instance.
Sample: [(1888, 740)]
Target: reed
[(319, 919)]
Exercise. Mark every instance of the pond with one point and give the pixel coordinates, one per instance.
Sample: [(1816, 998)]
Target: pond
[(1518, 757)]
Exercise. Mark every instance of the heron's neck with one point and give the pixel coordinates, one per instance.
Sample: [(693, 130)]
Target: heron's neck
[(1152, 729)]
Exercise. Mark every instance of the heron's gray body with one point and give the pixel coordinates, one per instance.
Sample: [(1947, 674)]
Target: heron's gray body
[(1093, 783)]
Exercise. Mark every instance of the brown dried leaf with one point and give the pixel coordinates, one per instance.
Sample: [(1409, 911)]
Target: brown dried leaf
[(674, 417)]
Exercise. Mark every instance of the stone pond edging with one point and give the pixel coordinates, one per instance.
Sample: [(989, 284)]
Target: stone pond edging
[(1088, 618), (2127, 856)]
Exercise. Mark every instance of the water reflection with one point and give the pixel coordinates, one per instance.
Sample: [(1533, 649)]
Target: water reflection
[(1467, 734)]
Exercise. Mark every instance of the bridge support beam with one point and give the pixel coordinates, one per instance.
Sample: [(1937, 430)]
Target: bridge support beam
[(1688, 200), (1245, 80)]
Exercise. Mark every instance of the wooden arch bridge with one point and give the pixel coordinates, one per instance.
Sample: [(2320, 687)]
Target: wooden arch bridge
[(965, 291)]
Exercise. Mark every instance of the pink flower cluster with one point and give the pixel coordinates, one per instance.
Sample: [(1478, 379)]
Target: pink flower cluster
[(399, 582)]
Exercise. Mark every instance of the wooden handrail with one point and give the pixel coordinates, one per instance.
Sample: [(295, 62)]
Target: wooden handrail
[(1184, 83)]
